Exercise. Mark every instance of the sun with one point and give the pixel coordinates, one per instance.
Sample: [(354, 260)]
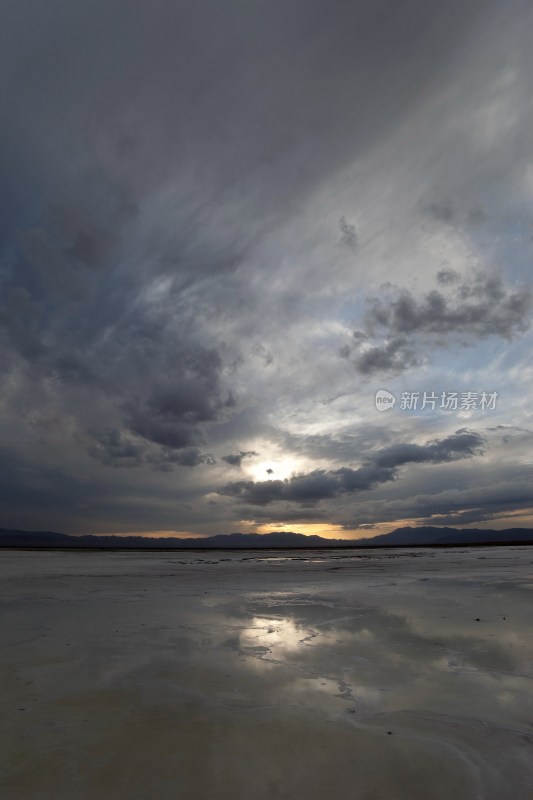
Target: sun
[(278, 468)]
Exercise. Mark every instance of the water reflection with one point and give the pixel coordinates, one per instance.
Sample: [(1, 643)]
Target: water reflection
[(276, 635), (383, 660), (241, 667)]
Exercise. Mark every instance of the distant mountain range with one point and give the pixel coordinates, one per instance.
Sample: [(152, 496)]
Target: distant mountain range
[(401, 537)]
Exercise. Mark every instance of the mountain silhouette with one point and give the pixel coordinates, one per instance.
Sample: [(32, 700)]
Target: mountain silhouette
[(401, 537)]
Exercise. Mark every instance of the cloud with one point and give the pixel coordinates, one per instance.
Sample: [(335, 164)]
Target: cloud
[(348, 234), (173, 410), (168, 285), (461, 444), (235, 459), (380, 467), (116, 449), (442, 211), (508, 494), (398, 331), (393, 357), (112, 448), (446, 276)]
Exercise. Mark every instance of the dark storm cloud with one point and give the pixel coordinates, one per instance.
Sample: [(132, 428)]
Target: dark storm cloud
[(461, 444), (481, 308), (110, 447), (194, 87), (145, 357), (108, 106), (235, 459), (380, 467), (173, 409), (405, 326), (116, 449), (151, 155), (281, 89), (511, 492)]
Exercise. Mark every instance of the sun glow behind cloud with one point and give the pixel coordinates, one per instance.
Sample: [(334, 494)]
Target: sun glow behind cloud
[(278, 468)]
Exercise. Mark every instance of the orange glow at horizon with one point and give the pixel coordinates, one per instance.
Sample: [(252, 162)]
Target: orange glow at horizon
[(325, 530), (329, 530)]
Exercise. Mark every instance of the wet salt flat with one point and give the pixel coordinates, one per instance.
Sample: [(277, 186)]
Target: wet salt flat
[(399, 674)]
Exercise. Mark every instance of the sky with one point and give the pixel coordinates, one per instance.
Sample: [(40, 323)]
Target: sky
[(225, 226)]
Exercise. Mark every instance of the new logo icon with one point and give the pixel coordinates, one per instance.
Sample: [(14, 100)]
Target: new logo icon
[(384, 400)]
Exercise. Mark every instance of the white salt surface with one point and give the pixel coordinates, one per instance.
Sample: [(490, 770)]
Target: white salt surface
[(369, 675)]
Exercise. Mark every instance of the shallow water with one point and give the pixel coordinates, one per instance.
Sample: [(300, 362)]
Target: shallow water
[(399, 674)]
